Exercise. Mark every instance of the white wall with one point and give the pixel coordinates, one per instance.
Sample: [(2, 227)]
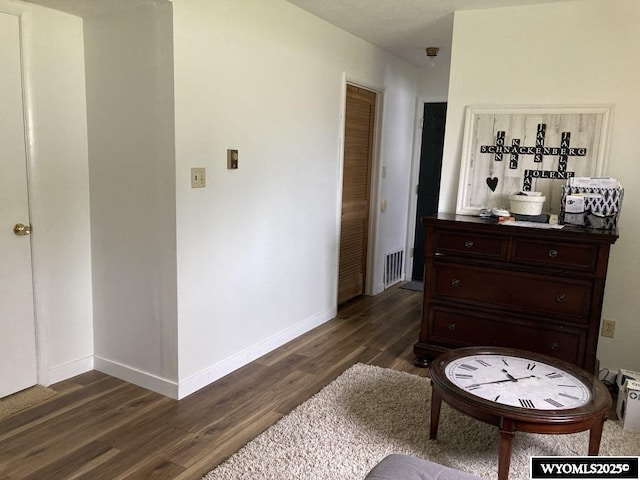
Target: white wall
[(434, 80), (59, 193), (581, 52), (129, 75), (257, 248), (396, 151)]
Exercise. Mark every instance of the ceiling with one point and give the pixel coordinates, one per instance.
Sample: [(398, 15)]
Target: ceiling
[(92, 8), (402, 27)]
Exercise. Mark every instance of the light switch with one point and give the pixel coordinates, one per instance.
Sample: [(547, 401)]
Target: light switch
[(232, 159), (198, 178)]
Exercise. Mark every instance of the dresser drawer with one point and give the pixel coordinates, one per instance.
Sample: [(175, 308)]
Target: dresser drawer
[(472, 244), (557, 255), (527, 293), (462, 328)]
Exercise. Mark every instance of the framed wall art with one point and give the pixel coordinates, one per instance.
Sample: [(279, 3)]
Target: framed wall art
[(507, 150)]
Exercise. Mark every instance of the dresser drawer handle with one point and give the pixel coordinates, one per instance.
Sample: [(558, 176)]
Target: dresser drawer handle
[(451, 326), (455, 282), (555, 346), (468, 244), (553, 253), (561, 297)]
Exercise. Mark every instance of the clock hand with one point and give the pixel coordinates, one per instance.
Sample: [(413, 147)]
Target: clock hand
[(499, 381), (511, 377)]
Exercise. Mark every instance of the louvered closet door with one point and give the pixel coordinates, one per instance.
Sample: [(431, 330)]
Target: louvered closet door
[(358, 142)]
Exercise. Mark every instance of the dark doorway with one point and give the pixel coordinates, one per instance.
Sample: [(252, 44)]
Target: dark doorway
[(429, 178)]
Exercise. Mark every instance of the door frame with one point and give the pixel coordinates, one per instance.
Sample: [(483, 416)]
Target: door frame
[(415, 175), (373, 279), (23, 12)]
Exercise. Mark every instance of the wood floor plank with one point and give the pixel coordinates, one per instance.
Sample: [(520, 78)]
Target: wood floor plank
[(56, 406), (224, 424), (66, 466), (232, 431), (101, 428), (228, 444), (79, 428), (159, 469), (211, 400), (151, 431)]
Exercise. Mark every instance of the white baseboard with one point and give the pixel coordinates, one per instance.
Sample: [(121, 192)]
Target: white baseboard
[(183, 388), (377, 289), (129, 374), (70, 369), (195, 382)]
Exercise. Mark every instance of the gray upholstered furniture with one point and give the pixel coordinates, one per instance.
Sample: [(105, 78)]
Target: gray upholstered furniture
[(406, 467)]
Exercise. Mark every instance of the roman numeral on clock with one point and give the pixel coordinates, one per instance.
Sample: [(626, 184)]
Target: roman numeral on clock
[(554, 375), (464, 366), (553, 402), (525, 402), (531, 366), (483, 363), (562, 394), (463, 375)]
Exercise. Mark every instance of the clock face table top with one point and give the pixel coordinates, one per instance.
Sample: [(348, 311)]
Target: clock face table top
[(518, 390)]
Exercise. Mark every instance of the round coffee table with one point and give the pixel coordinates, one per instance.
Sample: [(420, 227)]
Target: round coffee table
[(520, 391)]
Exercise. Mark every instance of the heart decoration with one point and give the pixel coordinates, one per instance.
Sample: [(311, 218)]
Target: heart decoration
[(492, 182)]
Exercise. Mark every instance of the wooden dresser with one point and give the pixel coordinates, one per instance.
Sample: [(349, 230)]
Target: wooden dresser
[(497, 285)]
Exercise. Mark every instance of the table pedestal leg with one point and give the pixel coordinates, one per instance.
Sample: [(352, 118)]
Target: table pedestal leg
[(595, 434), (436, 403), (507, 432)]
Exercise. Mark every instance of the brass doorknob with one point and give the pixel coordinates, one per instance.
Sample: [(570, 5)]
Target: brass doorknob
[(22, 230)]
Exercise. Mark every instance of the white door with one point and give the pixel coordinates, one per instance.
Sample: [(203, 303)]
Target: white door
[(18, 368)]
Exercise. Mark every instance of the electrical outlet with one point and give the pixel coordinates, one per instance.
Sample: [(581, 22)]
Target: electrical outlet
[(608, 328)]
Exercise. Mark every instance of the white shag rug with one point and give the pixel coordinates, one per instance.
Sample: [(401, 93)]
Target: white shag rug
[(369, 412)]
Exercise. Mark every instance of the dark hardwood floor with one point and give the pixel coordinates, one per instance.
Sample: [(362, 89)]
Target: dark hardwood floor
[(98, 427)]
